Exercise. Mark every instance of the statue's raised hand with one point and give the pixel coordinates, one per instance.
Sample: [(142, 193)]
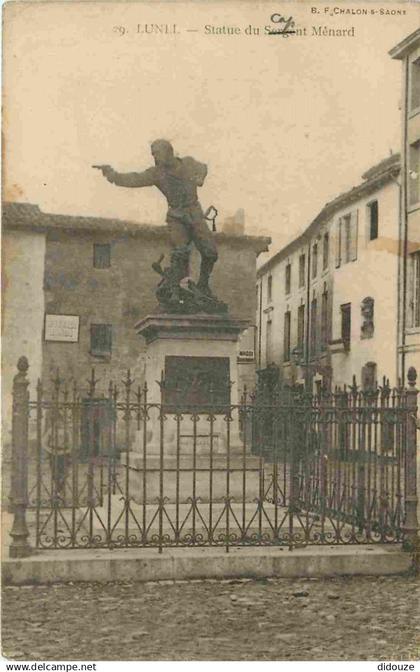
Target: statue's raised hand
[(105, 168)]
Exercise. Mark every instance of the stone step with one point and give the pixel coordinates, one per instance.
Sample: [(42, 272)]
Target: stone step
[(185, 462)]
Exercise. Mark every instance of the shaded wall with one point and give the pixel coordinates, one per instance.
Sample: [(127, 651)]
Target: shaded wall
[(23, 257), (124, 293)]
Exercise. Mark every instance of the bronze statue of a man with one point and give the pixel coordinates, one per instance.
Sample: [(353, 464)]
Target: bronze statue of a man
[(177, 179)]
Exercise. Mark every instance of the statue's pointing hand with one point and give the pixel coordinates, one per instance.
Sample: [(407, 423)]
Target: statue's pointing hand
[(105, 168)]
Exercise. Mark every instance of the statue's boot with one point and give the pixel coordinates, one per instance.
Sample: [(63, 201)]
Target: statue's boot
[(177, 270), (206, 268)]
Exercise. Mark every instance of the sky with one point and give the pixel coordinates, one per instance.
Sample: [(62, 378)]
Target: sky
[(284, 123)]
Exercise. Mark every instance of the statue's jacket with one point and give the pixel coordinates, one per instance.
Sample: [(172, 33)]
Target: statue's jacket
[(178, 183)]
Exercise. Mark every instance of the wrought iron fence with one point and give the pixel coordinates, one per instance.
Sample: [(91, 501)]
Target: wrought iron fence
[(113, 468)]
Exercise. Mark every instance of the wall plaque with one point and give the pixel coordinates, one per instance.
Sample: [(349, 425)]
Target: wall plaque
[(62, 328)]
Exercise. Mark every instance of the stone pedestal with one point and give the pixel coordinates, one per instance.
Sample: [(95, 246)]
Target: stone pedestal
[(203, 347), (192, 432)]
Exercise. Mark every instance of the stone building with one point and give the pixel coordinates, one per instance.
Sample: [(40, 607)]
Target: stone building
[(74, 287), (327, 302), (408, 52)]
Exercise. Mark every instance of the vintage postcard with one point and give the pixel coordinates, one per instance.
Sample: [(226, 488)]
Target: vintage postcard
[(211, 332)]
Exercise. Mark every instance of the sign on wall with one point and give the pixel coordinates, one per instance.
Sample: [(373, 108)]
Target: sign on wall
[(246, 356), (62, 328)]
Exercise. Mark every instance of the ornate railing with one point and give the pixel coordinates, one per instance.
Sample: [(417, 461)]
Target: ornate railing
[(108, 468)]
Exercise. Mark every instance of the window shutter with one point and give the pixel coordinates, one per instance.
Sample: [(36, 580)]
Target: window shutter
[(338, 243), (354, 235), (101, 339)]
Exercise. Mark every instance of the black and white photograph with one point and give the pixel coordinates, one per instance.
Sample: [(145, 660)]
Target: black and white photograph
[(210, 333)]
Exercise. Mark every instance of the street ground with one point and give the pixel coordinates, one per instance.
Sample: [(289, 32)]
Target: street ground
[(346, 618)]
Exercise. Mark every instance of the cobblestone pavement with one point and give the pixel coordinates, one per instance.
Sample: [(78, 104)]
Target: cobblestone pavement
[(276, 619)]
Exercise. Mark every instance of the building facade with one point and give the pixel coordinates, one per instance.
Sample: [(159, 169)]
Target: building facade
[(408, 52), (74, 287), (327, 302)]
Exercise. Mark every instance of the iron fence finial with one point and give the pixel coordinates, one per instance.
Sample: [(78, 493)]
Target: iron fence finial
[(354, 387), (92, 382), (23, 364)]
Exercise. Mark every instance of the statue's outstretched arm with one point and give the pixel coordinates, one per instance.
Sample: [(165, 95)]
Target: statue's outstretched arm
[(144, 179)]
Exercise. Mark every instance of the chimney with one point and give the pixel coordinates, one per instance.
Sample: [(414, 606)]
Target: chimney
[(235, 225)]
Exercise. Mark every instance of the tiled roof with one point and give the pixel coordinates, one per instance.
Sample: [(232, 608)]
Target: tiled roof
[(407, 45), (29, 216)]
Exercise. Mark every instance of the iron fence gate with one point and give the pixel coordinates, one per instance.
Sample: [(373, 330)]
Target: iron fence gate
[(110, 468)]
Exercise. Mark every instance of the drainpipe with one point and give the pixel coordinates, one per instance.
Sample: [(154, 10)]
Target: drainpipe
[(260, 325), (308, 378), (405, 224), (399, 277)]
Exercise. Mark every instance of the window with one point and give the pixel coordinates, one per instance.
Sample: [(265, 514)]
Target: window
[(372, 220), (346, 325), (326, 251), (313, 331), (324, 320), (302, 270), (415, 84), (415, 303), (301, 328), (268, 342), (286, 344), (100, 339), (414, 174), (101, 255), (347, 235), (269, 288), (347, 238), (315, 261), (369, 376), (288, 278)]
